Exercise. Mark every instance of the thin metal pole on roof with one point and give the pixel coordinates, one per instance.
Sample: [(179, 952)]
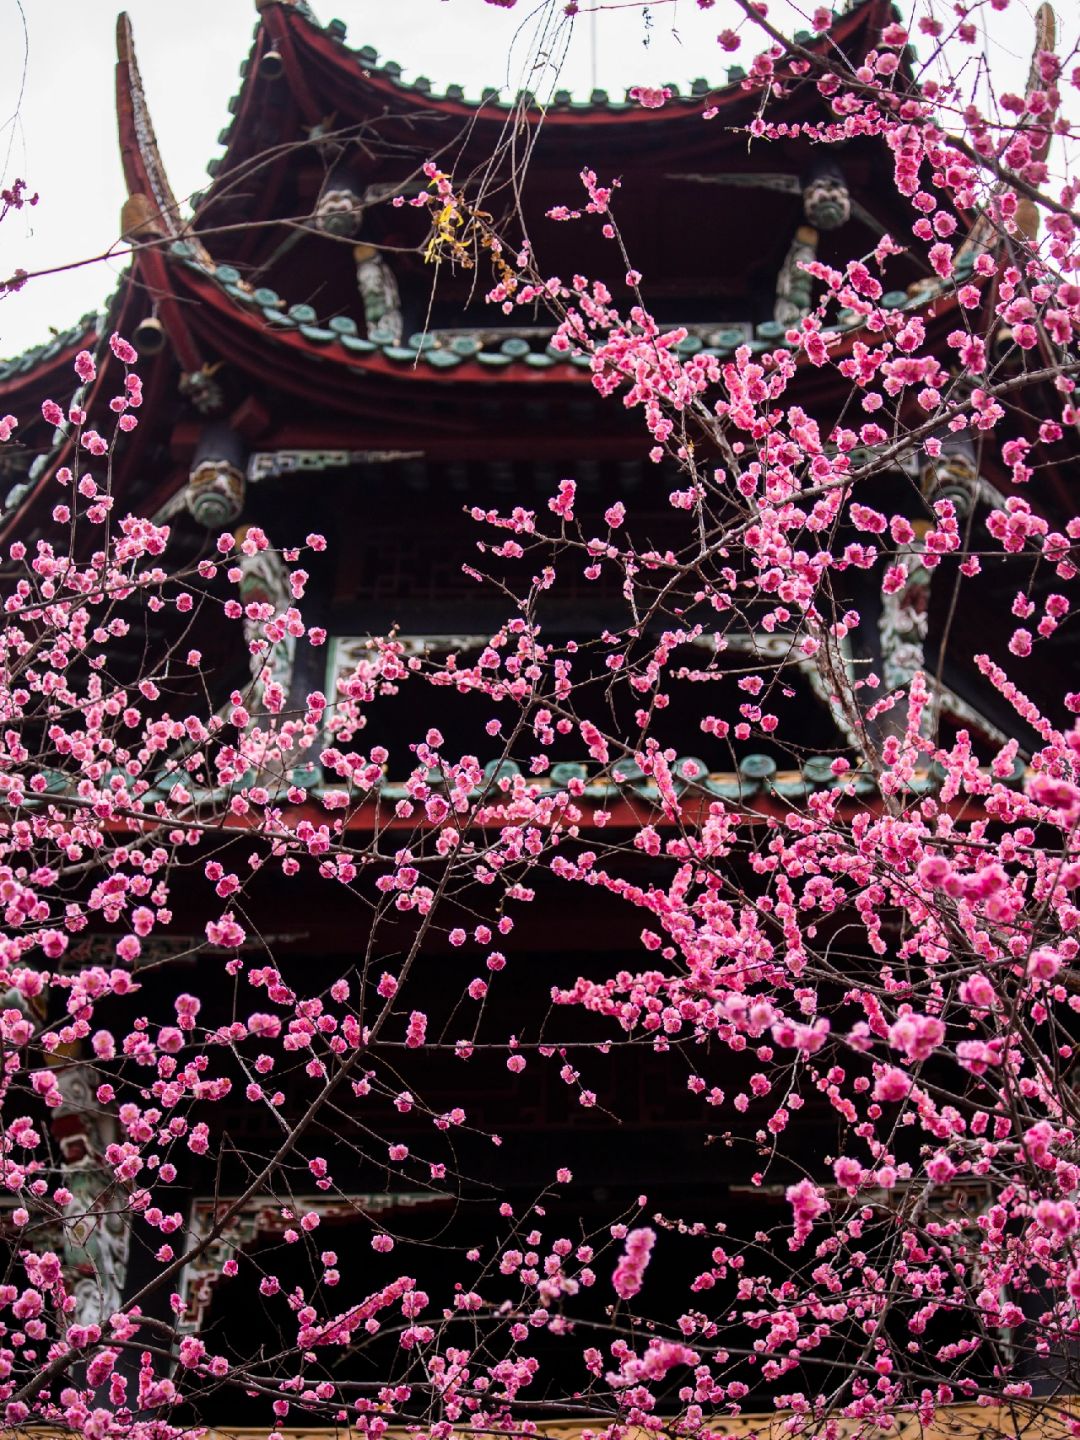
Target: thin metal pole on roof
[(593, 43)]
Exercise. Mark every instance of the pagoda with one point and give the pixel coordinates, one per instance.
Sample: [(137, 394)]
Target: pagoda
[(307, 367)]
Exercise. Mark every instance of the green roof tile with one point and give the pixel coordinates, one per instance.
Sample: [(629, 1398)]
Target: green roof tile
[(757, 767), (567, 770), (818, 770), (357, 344)]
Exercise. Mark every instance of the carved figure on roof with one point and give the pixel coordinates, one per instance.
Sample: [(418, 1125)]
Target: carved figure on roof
[(826, 199), (953, 474), (339, 211), (379, 295), (203, 389)]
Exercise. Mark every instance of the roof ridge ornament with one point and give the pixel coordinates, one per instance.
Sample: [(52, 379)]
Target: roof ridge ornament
[(151, 209), (981, 237), (144, 171)]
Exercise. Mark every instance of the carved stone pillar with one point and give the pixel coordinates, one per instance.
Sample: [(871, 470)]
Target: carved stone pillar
[(826, 206), (96, 1222), (904, 618), (794, 287), (265, 580), (379, 296), (905, 613)]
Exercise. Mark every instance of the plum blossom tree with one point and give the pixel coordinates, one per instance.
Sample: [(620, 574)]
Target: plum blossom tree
[(888, 939)]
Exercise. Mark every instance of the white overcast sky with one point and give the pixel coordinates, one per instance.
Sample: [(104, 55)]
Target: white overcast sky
[(60, 131)]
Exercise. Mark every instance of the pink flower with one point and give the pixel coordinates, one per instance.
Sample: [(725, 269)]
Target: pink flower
[(849, 1173), (124, 352), (650, 97), (917, 1035), (891, 1084), (808, 1204), (630, 1270)]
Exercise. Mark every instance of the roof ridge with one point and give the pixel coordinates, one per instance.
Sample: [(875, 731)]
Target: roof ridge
[(367, 56)]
